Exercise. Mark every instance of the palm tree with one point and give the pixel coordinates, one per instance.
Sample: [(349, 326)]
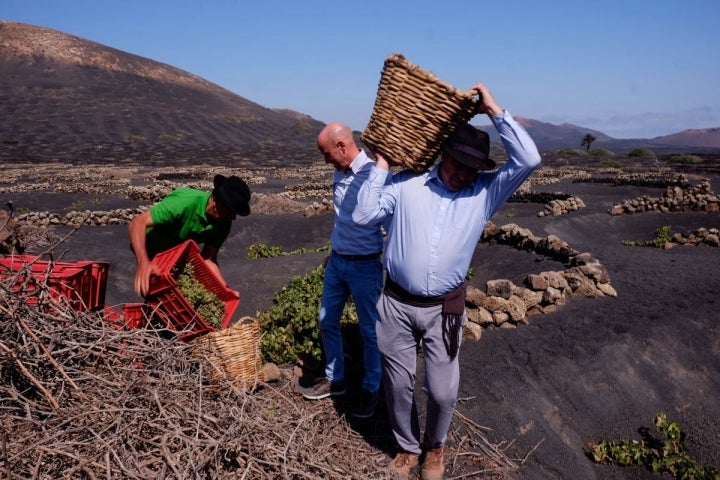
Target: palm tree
[(587, 140)]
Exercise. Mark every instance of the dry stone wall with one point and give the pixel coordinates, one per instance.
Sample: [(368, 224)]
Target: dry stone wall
[(675, 199), (87, 217), (505, 305), (701, 236)]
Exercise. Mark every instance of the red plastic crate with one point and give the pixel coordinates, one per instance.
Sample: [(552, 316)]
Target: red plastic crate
[(113, 317), (94, 283), (65, 281), (135, 315), (169, 302), (83, 283), (69, 282)]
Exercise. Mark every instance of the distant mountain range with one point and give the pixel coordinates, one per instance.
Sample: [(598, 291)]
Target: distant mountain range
[(64, 97), (549, 136)]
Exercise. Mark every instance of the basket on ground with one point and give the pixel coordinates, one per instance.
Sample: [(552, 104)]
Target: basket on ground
[(172, 307), (235, 352), (414, 113)]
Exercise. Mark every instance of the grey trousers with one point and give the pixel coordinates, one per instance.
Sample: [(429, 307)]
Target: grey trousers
[(399, 329)]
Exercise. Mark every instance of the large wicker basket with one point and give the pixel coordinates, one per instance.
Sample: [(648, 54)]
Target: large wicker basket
[(414, 113), (235, 353)]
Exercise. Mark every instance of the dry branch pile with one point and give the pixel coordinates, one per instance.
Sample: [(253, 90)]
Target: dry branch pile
[(80, 399)]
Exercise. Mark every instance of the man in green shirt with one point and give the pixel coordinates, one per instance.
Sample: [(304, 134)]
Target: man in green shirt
[(187, 214)]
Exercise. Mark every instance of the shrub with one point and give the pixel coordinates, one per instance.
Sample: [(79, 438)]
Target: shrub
[(611, 164), (134, 139), (264, 251), (290, 327), (260, 250), (641, 152), (570, 151), (600, 152), (685, 159), (662, 236)]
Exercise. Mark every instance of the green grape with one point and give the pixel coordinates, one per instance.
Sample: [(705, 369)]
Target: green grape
[(207, 305)]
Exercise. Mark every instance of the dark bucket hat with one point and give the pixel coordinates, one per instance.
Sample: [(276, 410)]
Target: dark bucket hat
[(233, 193), (469, 146)]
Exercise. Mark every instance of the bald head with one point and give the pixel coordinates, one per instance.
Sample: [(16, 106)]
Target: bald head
[(337, 145), (335, 132)]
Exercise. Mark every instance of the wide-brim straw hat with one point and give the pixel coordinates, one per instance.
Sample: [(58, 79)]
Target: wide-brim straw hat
[(414, 113)]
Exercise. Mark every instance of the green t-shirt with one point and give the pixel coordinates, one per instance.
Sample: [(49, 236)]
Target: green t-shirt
[(181, 216)]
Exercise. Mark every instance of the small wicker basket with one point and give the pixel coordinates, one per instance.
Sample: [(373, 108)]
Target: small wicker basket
[(414, 113), (235, 351)]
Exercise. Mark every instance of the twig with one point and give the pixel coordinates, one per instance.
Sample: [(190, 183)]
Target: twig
[(47, 353), (31, 377), (5, 459)]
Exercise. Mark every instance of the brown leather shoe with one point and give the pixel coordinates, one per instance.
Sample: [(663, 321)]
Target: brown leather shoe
[(433, 467), (402, 464)]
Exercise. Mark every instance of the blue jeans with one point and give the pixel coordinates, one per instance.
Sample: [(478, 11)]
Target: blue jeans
[(363, 280)]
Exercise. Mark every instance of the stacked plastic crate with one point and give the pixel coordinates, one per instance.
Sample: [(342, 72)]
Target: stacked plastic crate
[(82, 284)]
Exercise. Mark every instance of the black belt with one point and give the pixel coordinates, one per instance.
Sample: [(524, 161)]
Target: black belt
[(398, 293), (370, 256)]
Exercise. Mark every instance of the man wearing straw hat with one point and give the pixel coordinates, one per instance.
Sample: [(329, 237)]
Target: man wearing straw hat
[(436, 219), (353, 268)]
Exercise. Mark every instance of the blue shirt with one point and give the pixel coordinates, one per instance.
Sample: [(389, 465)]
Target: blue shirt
[(348, 237), (433, 231)]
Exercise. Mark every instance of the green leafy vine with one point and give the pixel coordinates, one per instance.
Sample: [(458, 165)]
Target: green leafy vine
[(290, 327), (668, 456), (261, 250), (662, 236)]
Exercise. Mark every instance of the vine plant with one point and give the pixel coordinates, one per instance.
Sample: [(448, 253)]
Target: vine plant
[(668, 456), (290, 327), (662, 236), (260, 250)]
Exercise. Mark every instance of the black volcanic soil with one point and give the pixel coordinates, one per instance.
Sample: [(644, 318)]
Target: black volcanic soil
[(595, 369)]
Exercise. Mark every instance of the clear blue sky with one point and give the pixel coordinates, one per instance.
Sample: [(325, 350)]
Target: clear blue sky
[(628, 68)]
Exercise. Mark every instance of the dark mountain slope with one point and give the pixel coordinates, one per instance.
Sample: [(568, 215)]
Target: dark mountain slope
[(63, 97)]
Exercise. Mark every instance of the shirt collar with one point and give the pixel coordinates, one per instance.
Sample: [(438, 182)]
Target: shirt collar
[(434, 176), (357, 162)]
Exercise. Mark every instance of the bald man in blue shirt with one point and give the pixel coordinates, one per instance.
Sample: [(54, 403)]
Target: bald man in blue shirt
[(353, 269)]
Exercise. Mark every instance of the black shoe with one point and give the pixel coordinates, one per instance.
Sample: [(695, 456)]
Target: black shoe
[(324, 388), (365, 406)]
